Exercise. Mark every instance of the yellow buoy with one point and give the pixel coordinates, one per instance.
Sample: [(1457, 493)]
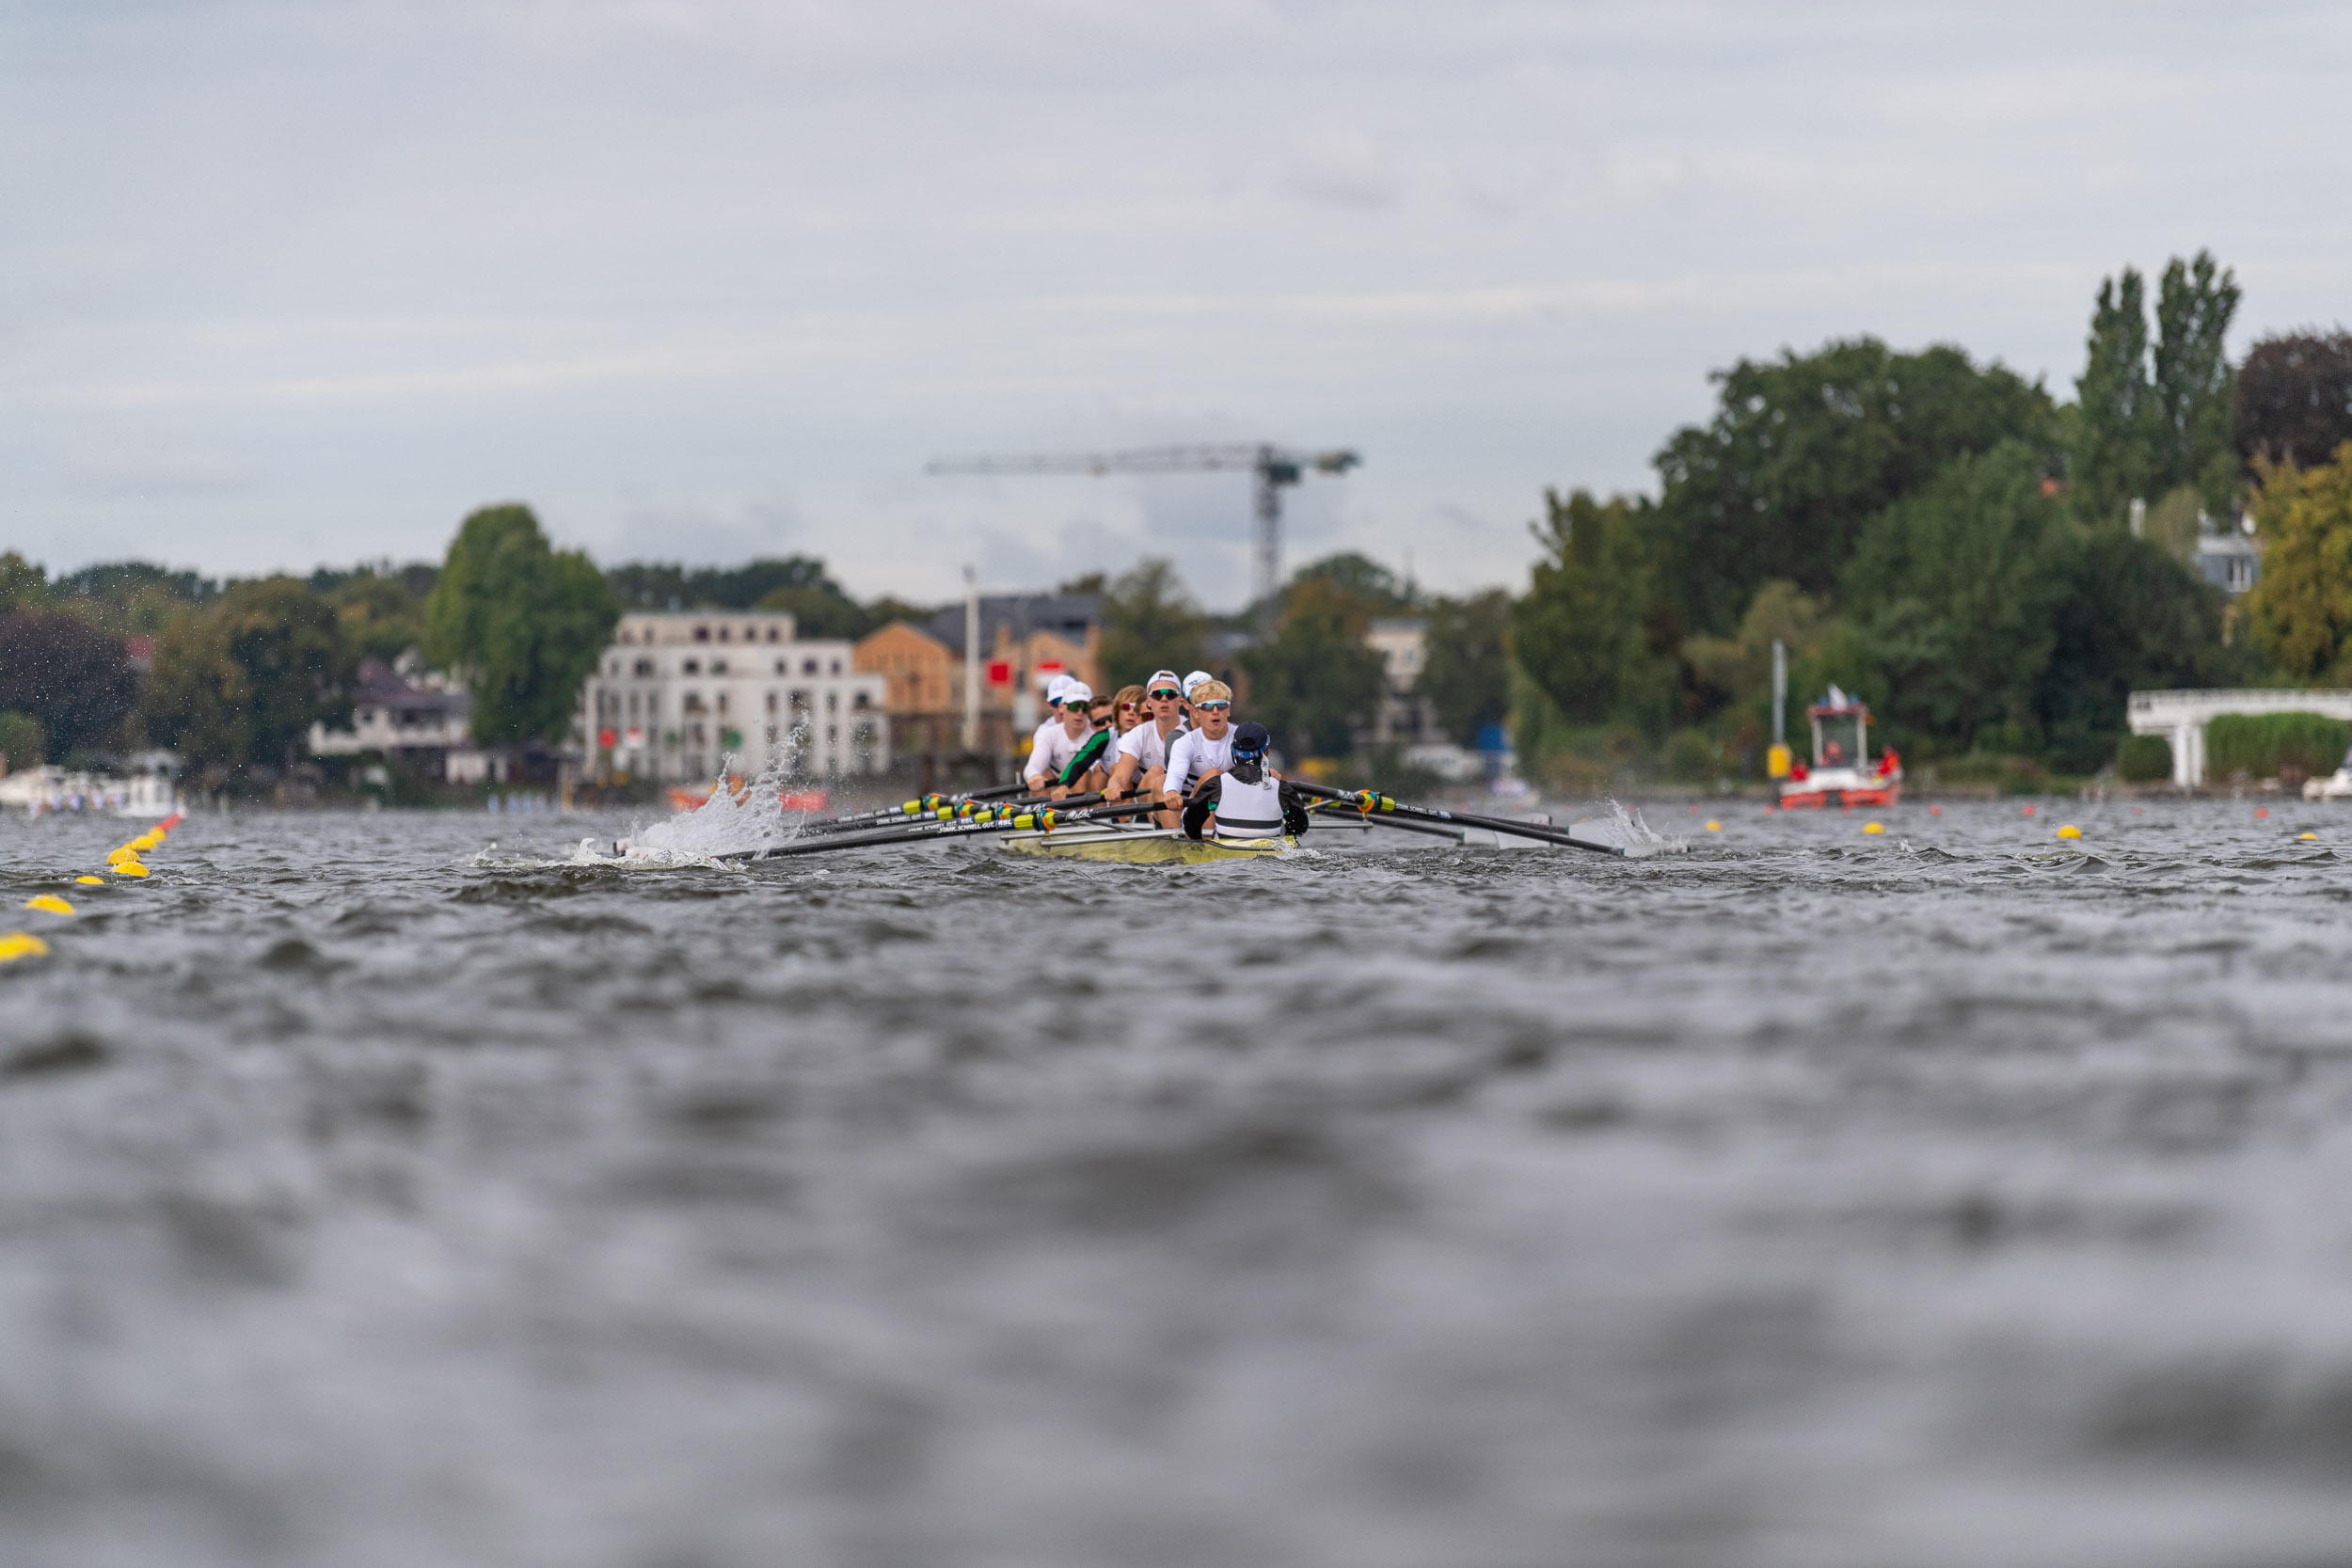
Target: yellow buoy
[(2307, 835), (121, 853), (2069, 830), (20, 944), (145, 842), (1872, 828), (91, 881), (1713, 826), (51, 903), (129, 869)]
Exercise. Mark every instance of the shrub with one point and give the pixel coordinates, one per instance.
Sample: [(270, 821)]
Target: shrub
[(2023, 776), (2143, 758), (22, 743), (1689, 757), (2260, 745)]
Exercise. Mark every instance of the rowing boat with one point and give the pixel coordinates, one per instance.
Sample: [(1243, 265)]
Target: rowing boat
[(1138, 845)]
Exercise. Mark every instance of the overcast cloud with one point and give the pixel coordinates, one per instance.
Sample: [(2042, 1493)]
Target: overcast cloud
[(292, 284)]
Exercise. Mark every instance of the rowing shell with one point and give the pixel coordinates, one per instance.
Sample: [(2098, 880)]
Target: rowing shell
[(1140, 845)]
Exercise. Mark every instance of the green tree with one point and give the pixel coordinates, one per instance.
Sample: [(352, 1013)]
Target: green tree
[(1151, 622), (2134, 616), (655, 585), (820, 610), (67, 674), (2300, 611), (1804, 450), (381, 612), (239, 683), (22, 585), (1466, 670), (1314, 680), (2113, 459), (2293, 399), (1379, 590), (22, 743), (525, 623), (1954, 590), (1584, 633), (2194, 387)]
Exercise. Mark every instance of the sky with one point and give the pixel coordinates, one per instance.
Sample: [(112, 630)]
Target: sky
[(292, 284)]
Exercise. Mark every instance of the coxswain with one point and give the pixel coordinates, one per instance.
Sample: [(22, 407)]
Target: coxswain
[(1054, 748), (1142, 761), (1247, 799), (1200, 753)]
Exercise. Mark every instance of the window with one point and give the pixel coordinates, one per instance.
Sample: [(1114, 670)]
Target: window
[(808, 667), (723, 701), (833, 702), (691, 667), (837, 666), (625, 635), (771, 702), (702, 634), (717, 666), (722, 634), (860, 700), (772, 634), (784, 667), (645, 667), (632, 704)]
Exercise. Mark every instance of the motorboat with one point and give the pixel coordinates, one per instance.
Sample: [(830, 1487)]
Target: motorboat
[(1841, 772)]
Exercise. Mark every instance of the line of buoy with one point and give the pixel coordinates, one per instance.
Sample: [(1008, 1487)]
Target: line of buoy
[(121, 861)]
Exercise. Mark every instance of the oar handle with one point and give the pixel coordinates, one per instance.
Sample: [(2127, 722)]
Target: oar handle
[(1375, 805)]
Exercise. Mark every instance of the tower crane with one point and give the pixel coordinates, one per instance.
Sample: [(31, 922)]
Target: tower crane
[(1273, 467)]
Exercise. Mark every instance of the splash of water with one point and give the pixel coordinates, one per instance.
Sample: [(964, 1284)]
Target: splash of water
[(1626, 831), (726, 822)]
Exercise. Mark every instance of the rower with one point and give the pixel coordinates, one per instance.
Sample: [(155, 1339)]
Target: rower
[(1087, 771), (1056, 747), (1142, 761), (1247, 799), (1193, 683), (1055, 689), (1198, 753)]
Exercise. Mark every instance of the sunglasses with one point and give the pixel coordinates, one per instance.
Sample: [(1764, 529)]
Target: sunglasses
[(1126, 707), (1210, 707), (1098, 720), (1156, 695)]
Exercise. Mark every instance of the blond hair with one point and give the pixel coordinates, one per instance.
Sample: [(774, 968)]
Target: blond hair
[(1211, 691)]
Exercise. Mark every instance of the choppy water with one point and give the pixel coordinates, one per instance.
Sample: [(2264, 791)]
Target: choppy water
[(1945, 1197)]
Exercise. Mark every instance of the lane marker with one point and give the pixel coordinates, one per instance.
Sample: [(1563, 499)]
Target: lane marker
[(51, 903), (21, 944)]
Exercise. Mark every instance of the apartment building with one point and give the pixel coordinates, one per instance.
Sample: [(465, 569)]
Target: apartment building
[(677, 691)]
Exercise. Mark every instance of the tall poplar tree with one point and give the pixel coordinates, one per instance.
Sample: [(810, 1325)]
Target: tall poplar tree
[(2113, 460), (2194, 387), (522, 622)]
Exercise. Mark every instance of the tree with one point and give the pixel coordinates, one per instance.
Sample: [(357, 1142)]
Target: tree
[(1151, 622), (1362, 579), (2134, 616), (1313, 681), (70, 678), (524, 623), (1465, 671), (2301, 608), (820, 610), (2113, 459), (1804, 451), (2194, 387), (22, 744), (2293, 398), (653, 585), (1954, 589), (22, 585), (1583, 632), (381, 613), (239, 683)]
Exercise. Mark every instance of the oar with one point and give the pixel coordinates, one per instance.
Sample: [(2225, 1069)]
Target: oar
[(1379, 808), (991, 819), (927, 806), (1432, 829)]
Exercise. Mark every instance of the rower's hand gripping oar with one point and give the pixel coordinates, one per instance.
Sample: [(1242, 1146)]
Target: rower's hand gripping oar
[(1380, 809), (989, 819)]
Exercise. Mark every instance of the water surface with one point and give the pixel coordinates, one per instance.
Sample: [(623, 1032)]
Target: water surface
[(373, 1197)]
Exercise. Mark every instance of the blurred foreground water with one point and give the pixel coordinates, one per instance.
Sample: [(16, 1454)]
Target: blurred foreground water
[(372, 1196)]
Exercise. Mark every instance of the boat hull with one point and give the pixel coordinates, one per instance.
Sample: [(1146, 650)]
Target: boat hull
[(1130, 847), (1814, 799)]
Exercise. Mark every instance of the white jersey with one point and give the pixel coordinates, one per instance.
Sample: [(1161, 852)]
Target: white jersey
[(1037, 741), (1248, 810), (1051, 752), (1144, 744), (1193, 753)]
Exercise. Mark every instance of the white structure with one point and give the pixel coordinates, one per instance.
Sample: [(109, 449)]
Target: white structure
[(1404, 646), (48, 789), (404, 709), (677, 690), (2181, 718)]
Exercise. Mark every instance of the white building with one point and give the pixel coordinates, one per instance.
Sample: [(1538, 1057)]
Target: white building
[(407, 712), (678, 690)]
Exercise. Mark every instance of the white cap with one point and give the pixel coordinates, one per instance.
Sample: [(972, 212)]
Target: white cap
[(1194, 681), (1078, 693), (1056, 688), (1159, 676)]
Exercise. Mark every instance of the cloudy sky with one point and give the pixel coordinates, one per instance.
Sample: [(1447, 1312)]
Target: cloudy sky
[(300, 283)]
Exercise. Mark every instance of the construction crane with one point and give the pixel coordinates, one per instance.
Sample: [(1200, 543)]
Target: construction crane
[(1273, 467)]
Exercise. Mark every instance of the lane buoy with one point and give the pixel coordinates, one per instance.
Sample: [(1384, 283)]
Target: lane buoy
[(121, 853), (1935, 811), (2069, 830), (1872, 828), (1713, 826), (2028, 808), (50, 903), (21, 944), (129, 869), (2307, 836), (91, 881), (2261, 812)]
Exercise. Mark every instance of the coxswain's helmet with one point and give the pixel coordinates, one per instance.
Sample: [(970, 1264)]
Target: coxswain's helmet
[(1249, 744)]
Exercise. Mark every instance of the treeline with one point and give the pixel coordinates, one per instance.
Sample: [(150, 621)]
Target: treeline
[(1992, 569)]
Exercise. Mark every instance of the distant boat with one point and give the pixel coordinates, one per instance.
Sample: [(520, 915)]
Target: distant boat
[(50, 789), (1838, 775), (735, 789)]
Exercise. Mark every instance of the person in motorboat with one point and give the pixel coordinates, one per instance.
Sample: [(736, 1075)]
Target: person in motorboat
[(1198, 753), (1057, 745), (1141, 766), (1246, 798), (1832, 755)]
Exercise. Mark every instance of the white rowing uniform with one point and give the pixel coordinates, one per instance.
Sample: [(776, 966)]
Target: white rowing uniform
[(1193, 753), (1147, 746), (1248, 810), (1051, 726), (1051, 752)]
